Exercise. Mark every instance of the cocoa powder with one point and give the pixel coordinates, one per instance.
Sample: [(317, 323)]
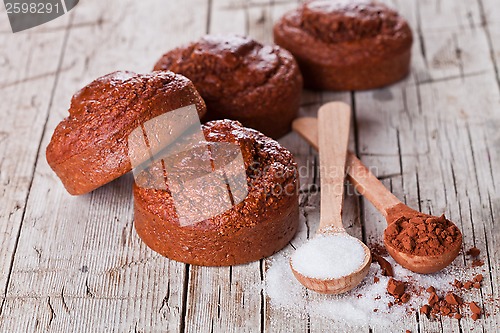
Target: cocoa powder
[(440, 303), (397, 290), (423, 235), (477, 263), (448, 305), (473, 252), (385, 266), (451, 304)]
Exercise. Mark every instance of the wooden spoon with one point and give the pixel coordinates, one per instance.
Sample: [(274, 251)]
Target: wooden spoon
[(391, 207), (334, 119)]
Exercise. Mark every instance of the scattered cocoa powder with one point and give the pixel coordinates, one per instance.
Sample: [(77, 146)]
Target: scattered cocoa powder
[(477, 263), (385, 266), (451, 303), (444, 307), (405, 298), (453, 299), (376, 279), (478, 278), (379, 249), (473, 252), (425, 309), (457, 284), (423, 234), (433, 299), (475, 282), (475, 308), (396, 288)]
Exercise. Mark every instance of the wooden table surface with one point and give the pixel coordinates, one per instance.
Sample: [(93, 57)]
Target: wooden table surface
[(75, 264)]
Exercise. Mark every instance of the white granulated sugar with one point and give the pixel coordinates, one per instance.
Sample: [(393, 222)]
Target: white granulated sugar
[(366, 305), (329, 257)]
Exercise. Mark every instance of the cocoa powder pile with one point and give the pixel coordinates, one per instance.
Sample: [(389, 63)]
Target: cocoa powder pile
[(423, 235), (397, 290)]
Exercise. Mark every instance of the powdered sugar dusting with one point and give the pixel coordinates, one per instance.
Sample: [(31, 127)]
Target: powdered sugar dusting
[(365, 305)]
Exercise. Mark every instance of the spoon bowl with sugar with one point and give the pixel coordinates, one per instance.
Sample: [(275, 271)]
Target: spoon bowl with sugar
[(333, 262)]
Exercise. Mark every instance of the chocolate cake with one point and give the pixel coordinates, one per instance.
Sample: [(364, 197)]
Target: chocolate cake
[(346, 45), (89, 148), (241, 79), (262, 223)]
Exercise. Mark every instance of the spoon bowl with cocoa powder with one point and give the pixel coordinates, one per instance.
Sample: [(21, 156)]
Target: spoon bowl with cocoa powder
[(419, 242)]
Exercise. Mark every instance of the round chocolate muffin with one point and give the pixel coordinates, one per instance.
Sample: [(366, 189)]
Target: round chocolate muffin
[(241, 79), (263, 222), (89, 148), (346, 45)]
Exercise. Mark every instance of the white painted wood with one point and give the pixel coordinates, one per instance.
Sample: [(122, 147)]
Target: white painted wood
[(227, 298), (28, 64), (79, 265), (84, 249)]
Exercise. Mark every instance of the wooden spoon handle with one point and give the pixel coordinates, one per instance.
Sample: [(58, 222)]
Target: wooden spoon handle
[(358, 174), (333, 134)]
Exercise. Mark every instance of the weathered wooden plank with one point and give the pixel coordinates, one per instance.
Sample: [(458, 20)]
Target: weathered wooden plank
[(225, 298), (350, 217), (79, 265), (228, 16), (278, 319), (451, 53), (410, 113), (451, 40), (29, 63), (491, 25), (85, 247), (466, 164), (449, 14), (380, 112), (436, 144)]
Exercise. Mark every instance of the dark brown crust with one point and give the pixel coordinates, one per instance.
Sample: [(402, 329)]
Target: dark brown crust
[(257, 227), (241, 79), (355, 46), (89, 148)]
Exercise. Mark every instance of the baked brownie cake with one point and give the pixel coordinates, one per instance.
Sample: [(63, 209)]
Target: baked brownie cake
[(241, 79), (89, 148), (346, 45), (261, 224)]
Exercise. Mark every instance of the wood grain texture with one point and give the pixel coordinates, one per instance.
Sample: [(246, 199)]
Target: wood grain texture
[(79, 263), (334, 122), (75, 264), (29, 62)]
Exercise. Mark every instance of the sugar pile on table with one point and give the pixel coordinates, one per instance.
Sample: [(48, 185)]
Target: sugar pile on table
[(365, 305), (329, 257)]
